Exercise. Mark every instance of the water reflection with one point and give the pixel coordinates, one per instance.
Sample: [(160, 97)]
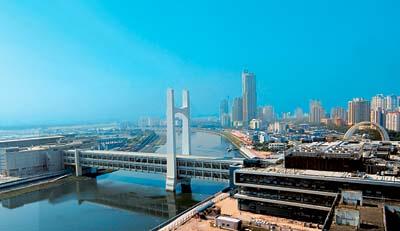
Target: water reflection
[(120, 197)]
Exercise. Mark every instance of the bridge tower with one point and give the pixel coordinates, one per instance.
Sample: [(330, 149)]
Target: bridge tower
[(184, 114)]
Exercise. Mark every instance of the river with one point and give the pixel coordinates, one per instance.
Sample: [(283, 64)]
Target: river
[(116, 201)]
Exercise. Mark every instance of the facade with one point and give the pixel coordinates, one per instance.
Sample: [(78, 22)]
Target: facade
[(28, 162), (268, 114), (224, 113), (339, 113), (378, 102), (255, 124), (237, 110), (316, 112), (225, 120), (393, 121), (149, 122), (391, 103), (277, 127), (304, 195), (249, 96), (386, 103), (359, 110), (378, 116), (299, 114)]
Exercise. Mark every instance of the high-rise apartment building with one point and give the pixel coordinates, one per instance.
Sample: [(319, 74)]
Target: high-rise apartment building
[(316, 112), (299, 114), (223, 107), (224, 113), (393, 121), (339, 113), (391, 103), (249, 97), (386, 103), (359, 110), (378, 101), (268, 114), (378, 116), (237, 110)]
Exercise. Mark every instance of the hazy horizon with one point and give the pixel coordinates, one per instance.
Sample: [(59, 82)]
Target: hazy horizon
[(66, 62)]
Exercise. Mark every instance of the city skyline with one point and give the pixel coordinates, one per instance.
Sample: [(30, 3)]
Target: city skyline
[(102, 62)]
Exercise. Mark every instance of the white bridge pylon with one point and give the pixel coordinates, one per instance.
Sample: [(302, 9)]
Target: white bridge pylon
[(184, 114)]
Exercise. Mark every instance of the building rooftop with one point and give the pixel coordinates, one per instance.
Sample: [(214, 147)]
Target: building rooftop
[(326, 175), (31, 139)]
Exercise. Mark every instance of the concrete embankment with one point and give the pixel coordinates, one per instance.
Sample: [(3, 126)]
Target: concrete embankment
[(39, 185), (29, 180)]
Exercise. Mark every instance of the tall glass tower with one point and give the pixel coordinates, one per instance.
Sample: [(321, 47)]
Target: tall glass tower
[(249, 97)]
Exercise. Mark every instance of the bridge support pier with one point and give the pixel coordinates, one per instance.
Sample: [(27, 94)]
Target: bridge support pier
[(186, 123), (78, 167), (183, 113), (171, 143), (186, 185)]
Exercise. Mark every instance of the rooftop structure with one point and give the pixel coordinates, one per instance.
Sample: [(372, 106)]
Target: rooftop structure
[(27, 142)]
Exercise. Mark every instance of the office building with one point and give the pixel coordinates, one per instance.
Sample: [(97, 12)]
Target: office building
[(237, 110), (316, 112), (249, 96), (359, 110), (393, 121)]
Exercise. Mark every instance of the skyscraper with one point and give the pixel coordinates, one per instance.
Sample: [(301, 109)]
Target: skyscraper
[(358, 111), (378, 101), (393, 121), (268, 114), (378, 116), (299, 114), (224, 113), (237, 110), (316, 111), (249, 97), (339, 113), (391, 103)]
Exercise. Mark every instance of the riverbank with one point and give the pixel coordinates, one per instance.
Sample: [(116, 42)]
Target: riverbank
[(236, 142), (41, 185)]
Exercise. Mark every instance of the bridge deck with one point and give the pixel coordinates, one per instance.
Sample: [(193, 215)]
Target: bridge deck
[(200, 167)]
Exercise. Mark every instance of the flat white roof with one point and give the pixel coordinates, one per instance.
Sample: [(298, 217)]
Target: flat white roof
[(32, 138), (230, 219)]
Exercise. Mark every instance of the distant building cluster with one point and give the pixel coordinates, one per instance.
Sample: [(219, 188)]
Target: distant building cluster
[(382, 110), (244, 109)]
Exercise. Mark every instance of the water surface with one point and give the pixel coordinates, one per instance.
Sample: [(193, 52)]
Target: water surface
[(117, 201)]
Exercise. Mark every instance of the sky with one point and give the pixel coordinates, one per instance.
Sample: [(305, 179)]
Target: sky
[(97, 60)]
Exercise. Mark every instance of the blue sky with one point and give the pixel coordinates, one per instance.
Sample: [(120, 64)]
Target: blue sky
[(72, 61)]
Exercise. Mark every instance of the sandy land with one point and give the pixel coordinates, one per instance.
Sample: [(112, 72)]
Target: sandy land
[(229, 206)]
